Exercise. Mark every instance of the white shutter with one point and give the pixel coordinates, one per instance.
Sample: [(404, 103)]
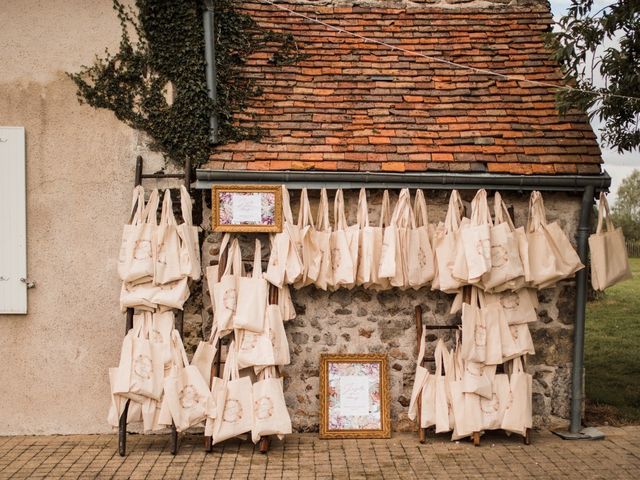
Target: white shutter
[(13, 224)]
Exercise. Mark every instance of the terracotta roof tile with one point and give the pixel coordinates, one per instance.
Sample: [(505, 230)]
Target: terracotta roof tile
[(354, 105)]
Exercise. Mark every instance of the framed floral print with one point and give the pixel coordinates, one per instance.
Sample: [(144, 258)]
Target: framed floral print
[(354, 396), (246, 208)]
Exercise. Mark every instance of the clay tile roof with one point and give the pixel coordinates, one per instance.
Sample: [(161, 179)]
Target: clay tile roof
[(352, 105)]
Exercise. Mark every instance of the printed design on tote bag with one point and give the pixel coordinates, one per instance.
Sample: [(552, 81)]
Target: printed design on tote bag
[(483, 247), (155, 336), (142, 250), (229, 299), (123, 251), (499, 256), (509, 400), (336, 258), (249, 341), (232, 411), (142, 367), (422, 258), (480, 335), (161, 256), (509, 300), (514, 333), (189, 397), (490, 407), (263, 408), (273, 261)]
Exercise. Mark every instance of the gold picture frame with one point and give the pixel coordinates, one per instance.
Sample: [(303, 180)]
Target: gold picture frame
[(246, 208), (350, 385)]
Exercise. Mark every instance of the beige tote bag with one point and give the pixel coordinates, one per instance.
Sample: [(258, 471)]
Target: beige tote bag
[(322, 238), (507, 271), (233, 397), (476, 240), (311, 256), (287, 308), (366, 244), (167, 259), (128, 232), (444, 416), (252, 297), (189, 242), (270, 414), (517, 307), (225, 292), (474, 330), (421, 268), (294, 267), (344, 246), (205, 354), (420, 378), (609, 260), (187, 394), (447, 242), (465, 407), (518, 412), (138, 296), (551, 255), (377, 282), (172, 295), (139, 256), (493, 408), (477, 378), (393, 260)]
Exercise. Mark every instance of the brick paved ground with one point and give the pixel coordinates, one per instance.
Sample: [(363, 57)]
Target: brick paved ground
[(305, 456)]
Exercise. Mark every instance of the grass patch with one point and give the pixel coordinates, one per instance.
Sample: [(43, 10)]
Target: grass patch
[(612, 353)]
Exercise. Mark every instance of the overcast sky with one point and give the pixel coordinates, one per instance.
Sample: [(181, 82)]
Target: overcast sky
[(617, 165)]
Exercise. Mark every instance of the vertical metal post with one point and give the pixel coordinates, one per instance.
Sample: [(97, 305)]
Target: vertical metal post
[(208, 19), (577, 384)]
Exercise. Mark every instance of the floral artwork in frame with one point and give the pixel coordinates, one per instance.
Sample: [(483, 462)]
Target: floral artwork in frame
[(246, 208), (354, 395)]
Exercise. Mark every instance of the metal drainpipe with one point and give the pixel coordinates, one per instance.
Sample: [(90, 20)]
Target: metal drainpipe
[(577, 381), (208, 18)]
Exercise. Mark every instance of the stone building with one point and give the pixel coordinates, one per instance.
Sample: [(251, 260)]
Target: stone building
[(350, 110)]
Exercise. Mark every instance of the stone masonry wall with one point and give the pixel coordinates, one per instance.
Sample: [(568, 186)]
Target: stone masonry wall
[(365, 321)]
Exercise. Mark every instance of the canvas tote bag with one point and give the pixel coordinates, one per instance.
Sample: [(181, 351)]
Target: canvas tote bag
[(476, 240), (233, 396), (517, 307), (252, 297), (518, 412), (474, 330), (321, 235), (420, 378), (172, 295), (167, 258), (128, 232), (393, 261), (285, 262), (138, 259), (366, 244), (140, 373), (205, 354), (225, 292), (187, 394), (465, 407), (609, 260), (551, 255), (444, 417), (507, 271), (447, 245), (189, 242), (377, 282), (270, 414), (311, 256), (421, 268), (344, 246), (492, 409)]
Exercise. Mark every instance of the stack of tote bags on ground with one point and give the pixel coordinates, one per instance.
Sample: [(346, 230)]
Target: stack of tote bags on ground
[(156, 262), (254, 400)]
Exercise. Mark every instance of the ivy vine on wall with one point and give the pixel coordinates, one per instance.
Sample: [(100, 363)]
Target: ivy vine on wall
[(156, 81)]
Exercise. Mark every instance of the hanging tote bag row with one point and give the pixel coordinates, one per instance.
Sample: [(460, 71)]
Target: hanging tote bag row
[(463, 397), (405, 251), (609, 260), (157, 259)]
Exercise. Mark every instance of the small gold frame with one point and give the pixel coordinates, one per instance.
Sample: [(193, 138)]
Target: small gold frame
[(273, 223), (384, 430)]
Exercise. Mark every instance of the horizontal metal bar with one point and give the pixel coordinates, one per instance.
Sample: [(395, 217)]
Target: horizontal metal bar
[(163, 175), (442, 327), (426, 180)]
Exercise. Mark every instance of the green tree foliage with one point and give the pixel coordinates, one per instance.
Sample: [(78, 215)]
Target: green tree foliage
[(626, 211), (162, 50), (578, 47)]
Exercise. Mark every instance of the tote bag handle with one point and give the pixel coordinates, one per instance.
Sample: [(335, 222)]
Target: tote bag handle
[(363, 210), (322, 222)]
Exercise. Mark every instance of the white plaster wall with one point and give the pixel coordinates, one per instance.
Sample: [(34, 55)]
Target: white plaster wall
[(80, 165)]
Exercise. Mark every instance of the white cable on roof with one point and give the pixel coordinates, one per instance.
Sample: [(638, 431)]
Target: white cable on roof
[(517, 78)]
